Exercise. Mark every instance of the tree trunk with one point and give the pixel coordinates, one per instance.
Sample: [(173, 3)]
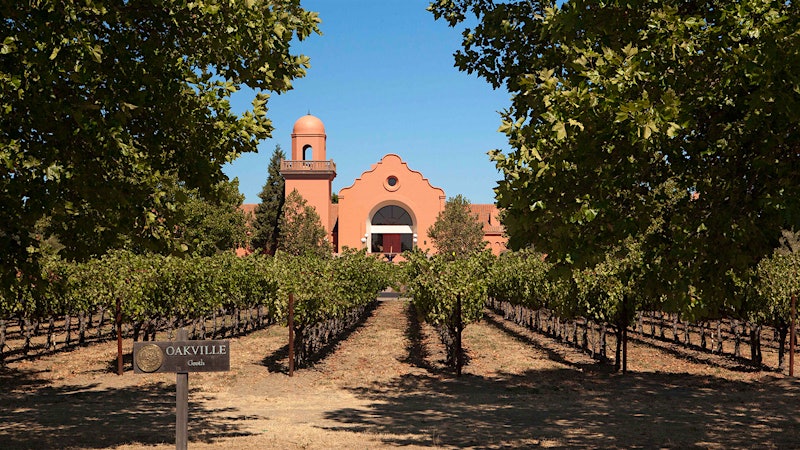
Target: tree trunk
[(2, 340), (28, 331), (652, 326), (68, 329), (137, 327), (719, 337), (585, 338), (81, 328), (624, 350), (782, 329), (703, 342), (89, 317), (618, 348), (100, 322), (687, 341), (737, 338), (557, 327), (214, 326), (755, 345), (51, 332), (575, 324), (602, 342), (675, 328), (154, 325)]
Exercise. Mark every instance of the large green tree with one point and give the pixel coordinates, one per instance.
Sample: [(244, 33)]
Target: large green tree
[(628, 111), (205, 227), (457, 232), (103, 104), (266, 224)]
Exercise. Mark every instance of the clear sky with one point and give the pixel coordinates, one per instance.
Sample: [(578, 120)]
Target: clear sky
[(382, 81)]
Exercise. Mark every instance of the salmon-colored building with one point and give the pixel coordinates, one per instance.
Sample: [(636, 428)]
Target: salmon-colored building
[(388, 209)]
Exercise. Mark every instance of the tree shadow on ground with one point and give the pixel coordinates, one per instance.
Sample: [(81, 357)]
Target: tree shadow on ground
[(417, 354), (582, 406), (698, 355), (36, 415), (278, 361), (554, 353), (567, 409)]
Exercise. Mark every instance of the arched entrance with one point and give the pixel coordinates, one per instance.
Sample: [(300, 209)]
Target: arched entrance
[(391, 230)]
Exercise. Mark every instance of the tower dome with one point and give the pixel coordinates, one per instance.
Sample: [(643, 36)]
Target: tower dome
[(308, 139), (308, 124)]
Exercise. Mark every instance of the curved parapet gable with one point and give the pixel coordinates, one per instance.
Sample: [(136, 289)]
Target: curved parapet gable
[(389, 182), (391, 159)]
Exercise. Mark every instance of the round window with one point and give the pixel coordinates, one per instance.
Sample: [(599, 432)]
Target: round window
[(391, 184)]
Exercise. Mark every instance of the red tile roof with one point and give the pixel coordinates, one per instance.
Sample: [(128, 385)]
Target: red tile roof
[(488, 215)]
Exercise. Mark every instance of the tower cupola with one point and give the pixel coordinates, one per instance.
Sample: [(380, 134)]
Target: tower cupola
[(308, 139)]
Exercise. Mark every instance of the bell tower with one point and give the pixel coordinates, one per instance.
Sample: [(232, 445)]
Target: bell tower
[(308, 171)]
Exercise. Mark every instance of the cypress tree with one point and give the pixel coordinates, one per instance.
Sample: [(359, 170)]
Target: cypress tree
[(266, 224)]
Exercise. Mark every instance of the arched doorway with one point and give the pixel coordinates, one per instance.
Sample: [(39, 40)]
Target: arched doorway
[(391, 230)]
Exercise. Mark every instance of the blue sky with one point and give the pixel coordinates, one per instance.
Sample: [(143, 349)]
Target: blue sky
[(382, 81)]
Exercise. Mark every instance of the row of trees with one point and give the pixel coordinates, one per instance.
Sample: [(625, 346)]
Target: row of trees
[(449, 289), (654, 144), (451, 293), (155, 291)]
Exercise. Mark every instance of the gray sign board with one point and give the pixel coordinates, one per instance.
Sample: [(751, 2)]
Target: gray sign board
[(181, 356)]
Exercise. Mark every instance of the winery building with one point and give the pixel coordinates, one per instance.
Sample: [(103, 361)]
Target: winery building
[(387, 210)]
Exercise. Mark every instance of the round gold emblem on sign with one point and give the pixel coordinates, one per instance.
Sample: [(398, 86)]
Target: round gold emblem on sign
[(149, 358)]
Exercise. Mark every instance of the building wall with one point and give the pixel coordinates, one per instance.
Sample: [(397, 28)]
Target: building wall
[(388, 182), (317, 193), (359, 202)]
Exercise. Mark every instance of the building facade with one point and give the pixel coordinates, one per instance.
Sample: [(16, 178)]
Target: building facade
[(387, 210)]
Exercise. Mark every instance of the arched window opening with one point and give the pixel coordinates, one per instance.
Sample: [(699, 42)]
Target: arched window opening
[(391, 215), (392, 231), (308, 153)]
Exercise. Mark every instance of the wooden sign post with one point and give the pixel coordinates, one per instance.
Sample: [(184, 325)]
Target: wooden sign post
[(181, 357)]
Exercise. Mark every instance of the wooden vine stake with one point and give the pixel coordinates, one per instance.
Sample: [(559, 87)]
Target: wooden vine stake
[(118, 320), (182, 402), (291, 335), (459, 327), (792, 335)]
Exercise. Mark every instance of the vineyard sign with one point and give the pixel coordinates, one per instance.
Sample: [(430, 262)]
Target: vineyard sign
[(181, 356)]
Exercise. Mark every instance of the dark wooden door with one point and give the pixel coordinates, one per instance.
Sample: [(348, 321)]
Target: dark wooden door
[(391, 243)]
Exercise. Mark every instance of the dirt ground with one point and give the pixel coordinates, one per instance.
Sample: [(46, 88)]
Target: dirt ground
[(386, 386)]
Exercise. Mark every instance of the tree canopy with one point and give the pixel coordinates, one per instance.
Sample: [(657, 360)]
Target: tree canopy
[(266, 225), (301, 230), (457, 232), (104, 104), (203, 227), (672, 122)]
